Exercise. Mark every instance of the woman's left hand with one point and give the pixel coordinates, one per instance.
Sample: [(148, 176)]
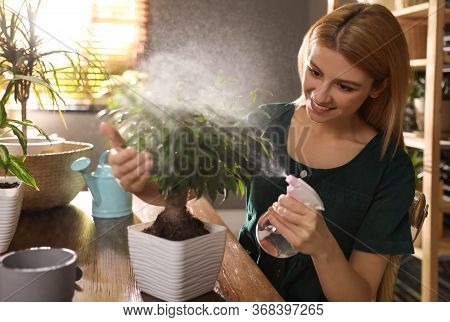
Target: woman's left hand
[(303, 227)]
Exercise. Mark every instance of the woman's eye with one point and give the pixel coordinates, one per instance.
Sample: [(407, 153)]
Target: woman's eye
[(344, 88), (313, 72)]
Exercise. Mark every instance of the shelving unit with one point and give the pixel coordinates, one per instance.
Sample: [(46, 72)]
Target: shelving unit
[(435, 241), (434, 244)]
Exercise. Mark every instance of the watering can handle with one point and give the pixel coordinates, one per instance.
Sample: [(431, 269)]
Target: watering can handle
[(102, 159)]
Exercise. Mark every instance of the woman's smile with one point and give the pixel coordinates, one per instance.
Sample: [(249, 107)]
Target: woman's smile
[(318, 108)]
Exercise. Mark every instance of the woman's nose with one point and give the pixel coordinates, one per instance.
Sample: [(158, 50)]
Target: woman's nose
[(321, 96)]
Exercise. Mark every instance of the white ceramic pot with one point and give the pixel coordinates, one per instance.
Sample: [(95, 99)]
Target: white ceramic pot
[(10, 207), (176, 270)]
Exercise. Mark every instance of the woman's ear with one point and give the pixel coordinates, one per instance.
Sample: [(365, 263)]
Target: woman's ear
[(378, 88)]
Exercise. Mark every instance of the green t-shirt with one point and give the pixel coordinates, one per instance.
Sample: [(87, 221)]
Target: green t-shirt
[(366, 206)]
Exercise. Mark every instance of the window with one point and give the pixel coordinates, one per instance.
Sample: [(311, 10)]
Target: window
[(115, 31)]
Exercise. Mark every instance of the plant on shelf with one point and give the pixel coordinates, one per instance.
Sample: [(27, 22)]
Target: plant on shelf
[(418, 87), (416, 100), (417, 162), (26, 68)]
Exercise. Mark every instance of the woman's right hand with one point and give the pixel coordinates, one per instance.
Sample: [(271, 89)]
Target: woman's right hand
[(131, 169)]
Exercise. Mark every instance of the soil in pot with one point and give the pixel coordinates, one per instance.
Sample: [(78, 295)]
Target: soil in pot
[(179, 227), (7, 185)]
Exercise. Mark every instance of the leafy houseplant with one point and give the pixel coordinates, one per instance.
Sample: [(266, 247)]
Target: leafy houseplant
[(25, 69), (196, 148), (177, 257), (193, 151)]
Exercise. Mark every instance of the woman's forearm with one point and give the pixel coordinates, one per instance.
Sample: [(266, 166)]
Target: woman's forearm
[(339, 281)]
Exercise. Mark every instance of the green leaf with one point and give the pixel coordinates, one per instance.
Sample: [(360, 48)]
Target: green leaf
[(7, 92), (32, 79), (30, 124), (3, 20), (213, 187), (4, 157), (22, 139), (19, 169), (2, 115), (241, 188), (253, 96)]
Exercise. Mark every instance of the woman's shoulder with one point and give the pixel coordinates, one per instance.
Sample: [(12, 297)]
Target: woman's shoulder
[(396, 156), (399, 170)]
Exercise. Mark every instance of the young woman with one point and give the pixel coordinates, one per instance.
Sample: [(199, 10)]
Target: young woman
[(345, 134)]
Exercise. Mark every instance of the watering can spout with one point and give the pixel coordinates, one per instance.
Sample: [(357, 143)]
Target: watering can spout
[(81, 165)]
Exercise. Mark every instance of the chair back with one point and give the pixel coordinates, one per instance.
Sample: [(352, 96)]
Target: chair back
[(417, 214)]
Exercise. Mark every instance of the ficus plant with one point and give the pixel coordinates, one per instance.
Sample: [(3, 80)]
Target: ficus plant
[(27, 68), (195, 150)]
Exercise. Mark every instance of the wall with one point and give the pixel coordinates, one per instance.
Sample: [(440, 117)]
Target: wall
[(254, 42)]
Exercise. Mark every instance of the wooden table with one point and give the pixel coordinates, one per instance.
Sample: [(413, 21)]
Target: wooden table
[(102, 248)]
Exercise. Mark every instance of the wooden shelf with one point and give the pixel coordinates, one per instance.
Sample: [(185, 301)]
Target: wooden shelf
[(443, 246), (418, 64), (445, 206), (423, 24), (417, 11), (421, 64), (444, 249), (412, 140)]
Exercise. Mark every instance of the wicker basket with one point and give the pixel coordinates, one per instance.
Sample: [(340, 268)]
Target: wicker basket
[(58, 184)]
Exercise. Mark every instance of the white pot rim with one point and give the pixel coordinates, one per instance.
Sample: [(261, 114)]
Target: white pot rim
[(11, 194), (212, 228), (11, 179), (34, 144), (33, 141)]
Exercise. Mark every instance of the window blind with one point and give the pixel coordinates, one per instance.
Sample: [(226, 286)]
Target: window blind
[(113, 34)]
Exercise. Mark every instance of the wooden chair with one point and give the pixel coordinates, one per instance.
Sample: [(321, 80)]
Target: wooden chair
[(417, 214)]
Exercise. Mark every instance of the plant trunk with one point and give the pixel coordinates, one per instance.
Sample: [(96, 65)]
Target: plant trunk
[(175, 222), (23, 105)]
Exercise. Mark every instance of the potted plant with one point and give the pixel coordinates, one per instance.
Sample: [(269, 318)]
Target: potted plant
[(417, 99), (26, 68), (178, 257), (11, 195)]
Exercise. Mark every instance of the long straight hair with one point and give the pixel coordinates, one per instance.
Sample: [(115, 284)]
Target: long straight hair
[(371, 38)]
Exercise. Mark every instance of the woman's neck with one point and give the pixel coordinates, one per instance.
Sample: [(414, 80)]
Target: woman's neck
[(350, 128)]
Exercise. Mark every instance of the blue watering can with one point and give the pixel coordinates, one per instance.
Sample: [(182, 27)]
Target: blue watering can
[(109, 198)]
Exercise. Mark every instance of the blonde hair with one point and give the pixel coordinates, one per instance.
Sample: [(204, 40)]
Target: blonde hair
[(371, 38)]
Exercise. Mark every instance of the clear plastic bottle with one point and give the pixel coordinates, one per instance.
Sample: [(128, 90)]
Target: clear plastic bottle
[(270, 240)]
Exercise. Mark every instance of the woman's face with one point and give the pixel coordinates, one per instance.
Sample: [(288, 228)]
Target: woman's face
[(334, 88)]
